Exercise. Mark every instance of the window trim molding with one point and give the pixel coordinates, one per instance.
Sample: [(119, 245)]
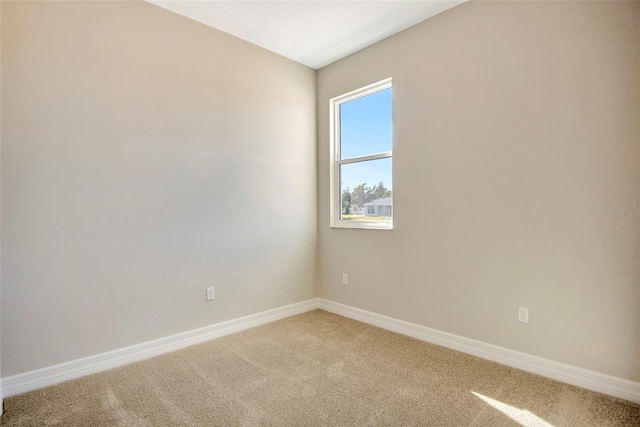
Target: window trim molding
[(336, 162)]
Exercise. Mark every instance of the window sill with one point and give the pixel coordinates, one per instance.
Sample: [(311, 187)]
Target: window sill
[(363, 226)]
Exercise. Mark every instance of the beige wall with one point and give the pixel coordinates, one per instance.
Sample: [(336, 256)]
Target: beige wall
[(515, 130), (146, 157)]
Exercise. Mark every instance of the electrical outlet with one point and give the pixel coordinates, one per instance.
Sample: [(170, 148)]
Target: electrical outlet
[(211, 293), (523, 314), (345, 279)]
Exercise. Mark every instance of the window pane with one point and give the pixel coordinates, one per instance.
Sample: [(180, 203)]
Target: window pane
[(366, 125), (365, 189)]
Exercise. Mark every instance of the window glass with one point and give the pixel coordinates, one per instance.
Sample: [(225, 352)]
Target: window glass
[(366, 191), (365, 125)]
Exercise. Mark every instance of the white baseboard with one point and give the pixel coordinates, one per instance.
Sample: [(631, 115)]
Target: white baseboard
[(591, 380), (39, 378)]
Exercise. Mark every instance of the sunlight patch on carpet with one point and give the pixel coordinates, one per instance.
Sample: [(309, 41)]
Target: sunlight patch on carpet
[(521, 416)]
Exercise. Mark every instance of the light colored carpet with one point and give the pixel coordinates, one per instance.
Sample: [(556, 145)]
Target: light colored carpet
[(316, 369)]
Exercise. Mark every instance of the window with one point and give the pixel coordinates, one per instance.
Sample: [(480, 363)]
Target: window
[(361, 158)]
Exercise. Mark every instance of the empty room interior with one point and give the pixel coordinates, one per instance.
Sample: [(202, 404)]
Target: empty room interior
[(320, 213)]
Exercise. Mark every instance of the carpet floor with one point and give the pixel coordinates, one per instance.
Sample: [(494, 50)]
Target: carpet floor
[(320, 369)]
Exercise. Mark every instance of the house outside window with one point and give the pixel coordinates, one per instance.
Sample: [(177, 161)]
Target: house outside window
[(380, 207), (361, 158)]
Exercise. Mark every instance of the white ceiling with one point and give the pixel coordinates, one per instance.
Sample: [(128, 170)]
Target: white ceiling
[(314, 33)]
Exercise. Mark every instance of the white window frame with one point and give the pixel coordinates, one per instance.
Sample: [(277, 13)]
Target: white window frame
[(336, 161)]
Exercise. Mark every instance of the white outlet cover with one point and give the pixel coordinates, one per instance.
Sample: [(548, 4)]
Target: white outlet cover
[(523, 314), (345, 279)]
